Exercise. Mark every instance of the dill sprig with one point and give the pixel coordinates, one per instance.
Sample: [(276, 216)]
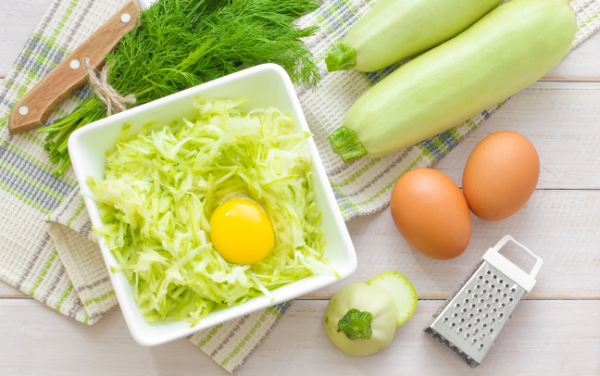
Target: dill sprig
[(183, 43)]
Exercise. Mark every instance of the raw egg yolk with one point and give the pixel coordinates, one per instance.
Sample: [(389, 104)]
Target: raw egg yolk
[(241, 231)]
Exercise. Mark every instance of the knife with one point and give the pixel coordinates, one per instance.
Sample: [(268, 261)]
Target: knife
[(34, 108)]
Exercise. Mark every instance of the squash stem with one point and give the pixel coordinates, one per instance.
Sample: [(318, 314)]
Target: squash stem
[(341, 57), (356, 324), (346, 144)]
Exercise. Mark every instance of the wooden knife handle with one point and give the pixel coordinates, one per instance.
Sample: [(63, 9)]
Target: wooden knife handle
[(34, 108)]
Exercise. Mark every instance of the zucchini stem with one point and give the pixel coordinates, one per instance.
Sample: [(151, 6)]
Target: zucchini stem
[(356, 324), (346, 144), (341, 57)]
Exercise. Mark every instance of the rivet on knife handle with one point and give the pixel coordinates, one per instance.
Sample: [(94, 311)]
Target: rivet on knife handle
[(34, 108)]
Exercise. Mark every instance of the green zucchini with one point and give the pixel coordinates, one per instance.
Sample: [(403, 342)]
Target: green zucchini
[(396, 29), (507, 50)]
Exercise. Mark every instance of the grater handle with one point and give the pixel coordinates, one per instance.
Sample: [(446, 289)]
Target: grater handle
[(527, 281), (538, 260)]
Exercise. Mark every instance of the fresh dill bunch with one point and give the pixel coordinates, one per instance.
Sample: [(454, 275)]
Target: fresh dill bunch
[(183, 43)]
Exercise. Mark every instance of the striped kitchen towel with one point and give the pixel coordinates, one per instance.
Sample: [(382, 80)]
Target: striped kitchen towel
[(61, 266)]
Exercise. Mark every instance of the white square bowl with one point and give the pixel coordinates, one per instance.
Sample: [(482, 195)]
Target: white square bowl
[(266, 85)]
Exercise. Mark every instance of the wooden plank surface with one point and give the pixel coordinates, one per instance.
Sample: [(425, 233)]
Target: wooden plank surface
[(9, 292), (582, 64), (542, 338), (18, 19), (562, 119), (561, 226)]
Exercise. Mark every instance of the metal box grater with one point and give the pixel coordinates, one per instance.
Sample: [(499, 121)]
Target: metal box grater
[(473, 317)]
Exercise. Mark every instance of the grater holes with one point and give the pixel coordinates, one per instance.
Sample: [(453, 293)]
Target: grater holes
[(500, 281), (510, 300), (482, 336), (461, 320), (469, 291), (477, 321), (492, 320), (457, 305), (502, 305), (466, 300), (474, 341), (498, 291), (480, 346), (463, 310), (500, 315), (455, 314), (487, 306), (494, 309), (479, 311), (494, 276), (475, 331), (490, 296), (496, 300), (486, 281), (469, 325), (513, 289), (470, 316), (467, 335), (472, 305), (504, 295), (459, 330), (452, 325), (480, 278), (445, 319), (491, 330), (484, 325), (485, 316), (488, 272), (507, 285), (492, 286), (475, 296), (481, 300), (477, 287)]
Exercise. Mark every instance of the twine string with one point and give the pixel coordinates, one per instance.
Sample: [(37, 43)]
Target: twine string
[(114, 102)]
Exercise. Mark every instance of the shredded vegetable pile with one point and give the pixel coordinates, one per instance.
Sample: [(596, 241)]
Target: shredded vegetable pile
[(161, 187)]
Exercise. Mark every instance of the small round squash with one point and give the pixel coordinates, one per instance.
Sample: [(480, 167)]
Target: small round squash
[(431, 213), (500, 176)]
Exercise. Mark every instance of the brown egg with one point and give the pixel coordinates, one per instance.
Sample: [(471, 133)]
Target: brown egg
[(500, 175), (431, 213)]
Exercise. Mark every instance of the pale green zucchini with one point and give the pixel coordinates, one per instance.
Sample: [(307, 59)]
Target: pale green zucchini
[(396, 29), (503, 53)]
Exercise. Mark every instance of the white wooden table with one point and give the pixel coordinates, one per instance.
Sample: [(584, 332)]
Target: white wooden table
[(556, 331)]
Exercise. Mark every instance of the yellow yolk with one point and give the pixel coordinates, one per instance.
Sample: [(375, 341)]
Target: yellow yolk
[(241, 231)]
